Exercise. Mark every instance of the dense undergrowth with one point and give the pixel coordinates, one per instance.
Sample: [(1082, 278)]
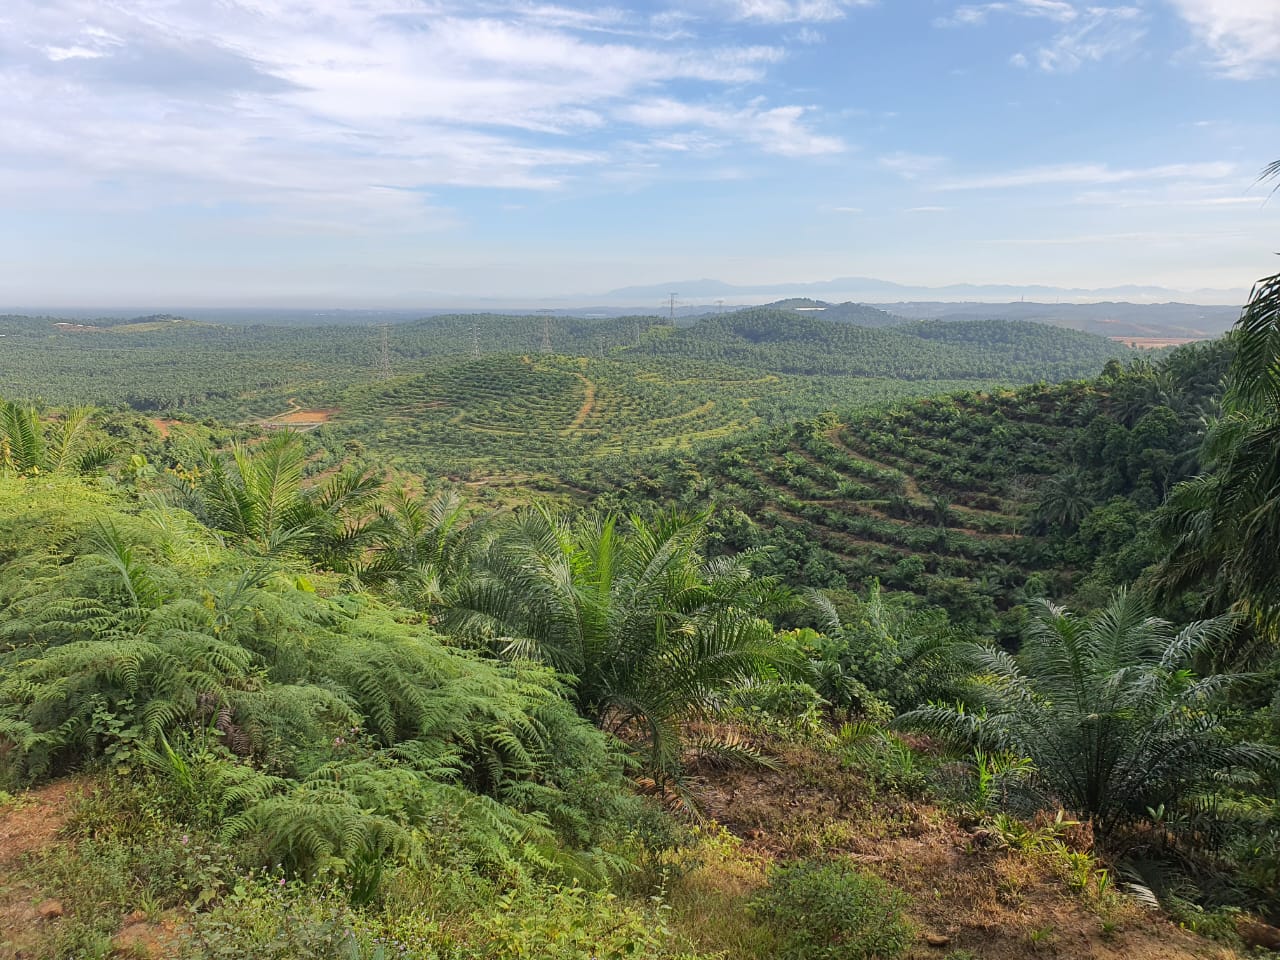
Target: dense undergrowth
[(321, 713)]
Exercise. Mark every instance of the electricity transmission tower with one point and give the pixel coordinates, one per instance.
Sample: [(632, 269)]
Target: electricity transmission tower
[(671, 309), (384, 353), (546, 331), (475, 340)]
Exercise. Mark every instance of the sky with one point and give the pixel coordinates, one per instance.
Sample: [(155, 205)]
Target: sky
[(381, 152)]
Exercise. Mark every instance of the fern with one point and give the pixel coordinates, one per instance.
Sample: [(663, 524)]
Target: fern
[(340, 735)]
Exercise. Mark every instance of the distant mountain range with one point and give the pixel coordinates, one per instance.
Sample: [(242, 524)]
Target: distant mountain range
[(871, 290)]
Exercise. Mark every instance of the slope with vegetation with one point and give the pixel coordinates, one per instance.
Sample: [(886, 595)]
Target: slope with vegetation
[(293, 706), (975, 501)]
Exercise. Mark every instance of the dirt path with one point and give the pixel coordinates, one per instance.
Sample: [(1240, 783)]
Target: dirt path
[(868, 510), (846, 539), (29, 824), (297, 417), (32, 820), (588, 404), (909, 485)]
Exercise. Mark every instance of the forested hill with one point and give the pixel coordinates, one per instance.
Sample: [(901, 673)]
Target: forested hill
[(167, 365), (975, 501), (787, 342)]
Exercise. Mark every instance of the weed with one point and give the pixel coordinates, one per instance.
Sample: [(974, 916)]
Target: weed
[(1040, 937), (833, 911)]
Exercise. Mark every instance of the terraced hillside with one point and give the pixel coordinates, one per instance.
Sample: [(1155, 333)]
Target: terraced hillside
[(975, 501), (559, 416), (932, 497)]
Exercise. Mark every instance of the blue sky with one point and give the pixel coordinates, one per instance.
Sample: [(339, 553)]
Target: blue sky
[(157, 152)]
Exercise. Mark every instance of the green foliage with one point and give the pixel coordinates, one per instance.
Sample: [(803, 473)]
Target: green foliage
[(126, 856), (1222, 528), (886, 645), (613, 389), (962, 499), (650, 632), (433, 915), (1106, 709), (328, 734), (883, 756), (31, 446), (257, 499), (834, 911)]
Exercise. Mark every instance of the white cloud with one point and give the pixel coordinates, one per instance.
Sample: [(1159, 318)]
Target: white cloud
[(1242, 36), (1084, 32), (972, 14), (777, 130), (1097, 33), (352, 111), (791, 11), (1090, 174), (912, 166), (807, 36)]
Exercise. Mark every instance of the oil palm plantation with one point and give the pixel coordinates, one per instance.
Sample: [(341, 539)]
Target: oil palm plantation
[(1106, 708), (651, 633)]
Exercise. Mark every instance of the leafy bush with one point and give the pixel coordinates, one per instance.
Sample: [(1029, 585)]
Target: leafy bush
[(327, 733), (1107, 709), (833, 911)]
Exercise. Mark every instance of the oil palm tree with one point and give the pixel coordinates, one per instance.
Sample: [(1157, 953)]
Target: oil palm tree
[(257, 498), (1106, 709), (421, 550), (650, 633), (1064, 501), (30, 446), (1222, 529)]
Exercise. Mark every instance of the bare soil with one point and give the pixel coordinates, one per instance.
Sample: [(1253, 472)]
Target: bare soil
[(323, 415), (27, 826), (996, 904)]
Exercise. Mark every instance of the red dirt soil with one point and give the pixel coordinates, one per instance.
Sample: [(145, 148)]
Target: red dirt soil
[(998, 904), (28, 825), (306, 416)]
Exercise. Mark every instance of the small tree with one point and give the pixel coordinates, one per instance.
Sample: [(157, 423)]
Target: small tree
[(1106, 708), (652, 633)]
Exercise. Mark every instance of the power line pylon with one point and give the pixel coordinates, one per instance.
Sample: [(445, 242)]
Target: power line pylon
[(546, 333), (384, 353), (671, 309), (475, 340)]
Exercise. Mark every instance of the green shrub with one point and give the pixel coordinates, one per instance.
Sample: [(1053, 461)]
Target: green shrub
[(833, 911)]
